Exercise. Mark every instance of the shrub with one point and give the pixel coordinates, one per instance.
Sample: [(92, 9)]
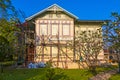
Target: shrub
[(49, 64)]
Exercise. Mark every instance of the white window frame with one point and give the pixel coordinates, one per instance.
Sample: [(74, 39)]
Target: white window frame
[(65, 29), (43, 29), (54, 29)]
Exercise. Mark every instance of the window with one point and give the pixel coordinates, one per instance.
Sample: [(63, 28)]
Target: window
[(54, 29), (43, 29), (66, 29)]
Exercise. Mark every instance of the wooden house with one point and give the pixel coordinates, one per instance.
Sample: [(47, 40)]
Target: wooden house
[(48, 33)]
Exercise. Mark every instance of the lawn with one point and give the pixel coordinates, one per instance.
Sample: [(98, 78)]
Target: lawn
[(115, 77), (40, 74), (22, 74)]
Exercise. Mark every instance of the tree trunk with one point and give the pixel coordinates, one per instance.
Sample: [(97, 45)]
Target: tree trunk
[(119, 67), (1, 68)]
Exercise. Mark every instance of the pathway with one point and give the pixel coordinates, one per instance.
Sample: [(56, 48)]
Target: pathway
[(104, 75)]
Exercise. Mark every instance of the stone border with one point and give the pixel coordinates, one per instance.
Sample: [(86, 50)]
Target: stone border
[(104, 75)]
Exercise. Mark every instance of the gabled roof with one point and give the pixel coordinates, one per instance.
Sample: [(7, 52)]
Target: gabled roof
[(52, 7)]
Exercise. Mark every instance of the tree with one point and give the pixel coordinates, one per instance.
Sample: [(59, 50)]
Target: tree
[(4, 48), (112, 35), (6, 8), (8, 39), (88, 45), (10, 33)]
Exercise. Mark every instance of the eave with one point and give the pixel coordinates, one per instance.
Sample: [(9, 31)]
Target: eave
[(46, 9)]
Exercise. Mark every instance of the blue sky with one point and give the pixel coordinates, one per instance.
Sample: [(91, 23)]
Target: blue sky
[(84, 9)]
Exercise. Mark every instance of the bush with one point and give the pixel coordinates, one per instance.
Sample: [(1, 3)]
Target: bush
[(56, 74), (50, 73), (49, 64)]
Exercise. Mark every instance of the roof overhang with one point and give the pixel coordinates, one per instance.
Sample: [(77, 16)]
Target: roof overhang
[(91, 21), (46, 9)]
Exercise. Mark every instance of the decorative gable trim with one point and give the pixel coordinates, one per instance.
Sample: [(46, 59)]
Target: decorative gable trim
[(53, 7)]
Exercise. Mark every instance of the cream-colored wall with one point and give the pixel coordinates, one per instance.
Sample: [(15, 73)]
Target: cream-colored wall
[(92, 27), (86, 27), (48, 21), (54, 15), (60, 20)]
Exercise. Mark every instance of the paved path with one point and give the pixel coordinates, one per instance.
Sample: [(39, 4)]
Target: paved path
[(104, 75)]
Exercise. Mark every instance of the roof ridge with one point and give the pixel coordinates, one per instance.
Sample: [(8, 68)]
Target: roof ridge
[(40, 12)]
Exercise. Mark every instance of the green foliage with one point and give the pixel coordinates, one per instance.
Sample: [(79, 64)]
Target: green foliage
[(8, 39), (48, 64), (6, 9), (56, 74), (50, 73), (4, 48), (7, 31), (112, 35), (112, 32)]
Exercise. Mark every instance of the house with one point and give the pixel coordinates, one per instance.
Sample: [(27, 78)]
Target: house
[(49, 31)]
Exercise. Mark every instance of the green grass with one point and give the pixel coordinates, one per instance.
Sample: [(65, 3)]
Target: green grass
[(39, 74), (78, 74), (22, 74), (115, 77), (100, 69)]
